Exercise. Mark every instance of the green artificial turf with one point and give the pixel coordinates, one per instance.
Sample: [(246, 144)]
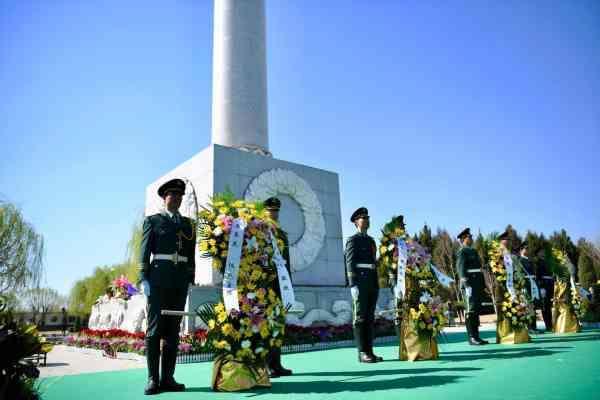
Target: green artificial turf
[(550, 367)]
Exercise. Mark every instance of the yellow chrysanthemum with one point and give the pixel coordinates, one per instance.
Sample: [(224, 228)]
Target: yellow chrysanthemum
[(222, 317), (246, 308), (256, 274), (264, 330), (227, 329), (222, 344)]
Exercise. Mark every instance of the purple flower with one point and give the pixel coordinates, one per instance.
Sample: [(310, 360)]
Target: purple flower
[(185, 347), (131, 290)]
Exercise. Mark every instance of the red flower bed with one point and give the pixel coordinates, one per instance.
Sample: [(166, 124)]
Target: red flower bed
[(120, 340), (111, 333)]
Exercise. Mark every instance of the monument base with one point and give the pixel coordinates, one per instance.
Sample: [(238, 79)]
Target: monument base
[(323, 305), (310, 207)]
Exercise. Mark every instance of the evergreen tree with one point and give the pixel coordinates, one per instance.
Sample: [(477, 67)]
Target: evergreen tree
[(563, 242), (481, 245), (514, 240), (444, 257), (585, 271), (425, 238), (585, 266)]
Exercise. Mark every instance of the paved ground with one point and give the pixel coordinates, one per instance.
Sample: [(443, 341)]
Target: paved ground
[(64, 360)]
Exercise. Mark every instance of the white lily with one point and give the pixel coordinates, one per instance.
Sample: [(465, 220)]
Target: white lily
[(425, 297)]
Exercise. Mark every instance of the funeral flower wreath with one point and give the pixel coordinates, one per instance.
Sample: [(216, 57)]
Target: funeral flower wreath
[(282, 181)]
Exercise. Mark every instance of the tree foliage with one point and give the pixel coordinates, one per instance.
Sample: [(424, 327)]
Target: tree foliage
[(21, 250), (514, 239), (588, 264), (562, 241), (425, 238), (86, 291), (444, 257), (42, 301)]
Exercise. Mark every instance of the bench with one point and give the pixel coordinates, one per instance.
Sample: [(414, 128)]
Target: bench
[(38, 359)]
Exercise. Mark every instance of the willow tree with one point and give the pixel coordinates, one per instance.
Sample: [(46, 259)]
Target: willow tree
[(21, 251), (86, 291)]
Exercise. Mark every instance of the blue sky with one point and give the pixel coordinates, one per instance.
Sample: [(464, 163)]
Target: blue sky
[(451, 113)]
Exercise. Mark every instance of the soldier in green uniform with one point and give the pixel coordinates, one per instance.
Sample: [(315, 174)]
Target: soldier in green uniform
[(167, 269), (472, 285), (361, 252), (529, 271), (546, 285), (272, 206)]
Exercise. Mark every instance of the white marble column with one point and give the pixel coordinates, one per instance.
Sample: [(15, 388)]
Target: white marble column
[(239, 104)]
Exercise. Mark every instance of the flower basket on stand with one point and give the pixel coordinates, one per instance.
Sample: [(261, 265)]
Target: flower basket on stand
[(236, 375), (566, 303), (417, 344), (513, 312), (420, 313), (250, 319), (563, 316)]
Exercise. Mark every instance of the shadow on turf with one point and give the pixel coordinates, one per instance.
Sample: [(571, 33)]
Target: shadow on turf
[(416, 380), (498, 354), (559, 339), (400, 371), (452, 337), (331, 387), (484, 350)]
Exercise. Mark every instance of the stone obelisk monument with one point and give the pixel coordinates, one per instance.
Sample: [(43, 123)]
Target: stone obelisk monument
[(239, 113), (239, 160)]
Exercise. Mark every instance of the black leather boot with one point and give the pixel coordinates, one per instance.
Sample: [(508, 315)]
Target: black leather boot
[(476, 324), (167, 369), (152, 361), (470, 325), (360, 344), (370, 334), (275, 368)]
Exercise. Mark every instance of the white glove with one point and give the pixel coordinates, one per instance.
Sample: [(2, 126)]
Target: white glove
[(469, 291), (354, 292), (543, 293), (146, 287)]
